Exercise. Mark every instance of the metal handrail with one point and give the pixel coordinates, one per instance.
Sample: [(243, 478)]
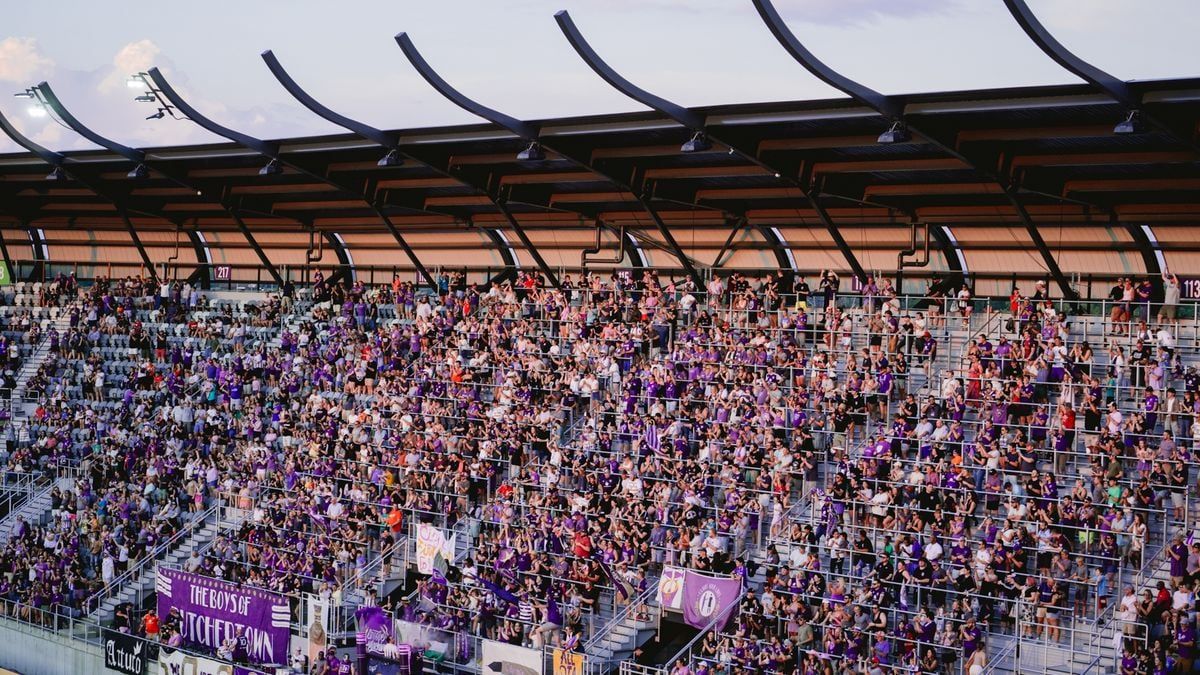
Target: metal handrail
[(632, 605), (93, 602)]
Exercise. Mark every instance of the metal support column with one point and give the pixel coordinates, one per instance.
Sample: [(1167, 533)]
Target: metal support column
[(40, 254), (262, 256), (343, 256), (8, 263), (202, 275)]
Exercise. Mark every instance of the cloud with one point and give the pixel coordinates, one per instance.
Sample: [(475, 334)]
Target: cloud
[(50, 135), (22, 61), (133, 58)]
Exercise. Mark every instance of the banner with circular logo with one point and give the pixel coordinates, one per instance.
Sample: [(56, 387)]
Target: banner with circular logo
[(706, 598)]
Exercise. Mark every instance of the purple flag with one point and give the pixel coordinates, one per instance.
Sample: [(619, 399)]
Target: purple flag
[(553, 615), (213, 611), (706, 598), (374, 629), (650, 437)]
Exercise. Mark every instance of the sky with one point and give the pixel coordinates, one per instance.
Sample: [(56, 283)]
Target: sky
[(510, 55)]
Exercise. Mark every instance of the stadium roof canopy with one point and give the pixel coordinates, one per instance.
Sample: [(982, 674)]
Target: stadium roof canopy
[(801, 184)]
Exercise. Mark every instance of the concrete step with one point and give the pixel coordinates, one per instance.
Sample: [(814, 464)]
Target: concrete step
[(137, 588)]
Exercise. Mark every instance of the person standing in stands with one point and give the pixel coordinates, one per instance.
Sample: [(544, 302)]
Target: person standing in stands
[(1171, 292), (150, 625), (829, 289)]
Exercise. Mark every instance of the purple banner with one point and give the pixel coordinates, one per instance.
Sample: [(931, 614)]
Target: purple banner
[(374, 630), (705, 598), (214, 611)]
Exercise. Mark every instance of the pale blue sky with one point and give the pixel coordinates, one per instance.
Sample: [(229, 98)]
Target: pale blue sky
[(511, 55)]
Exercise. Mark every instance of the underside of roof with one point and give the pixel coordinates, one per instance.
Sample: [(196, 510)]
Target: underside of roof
[(1092, 194)]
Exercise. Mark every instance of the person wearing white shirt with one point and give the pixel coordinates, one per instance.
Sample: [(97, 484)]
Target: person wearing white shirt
[(1182, 598), (1165, 339), (933, 550), (1114, 419)]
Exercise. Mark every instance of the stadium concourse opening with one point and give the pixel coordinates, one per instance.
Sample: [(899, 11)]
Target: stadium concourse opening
[(874, 384)]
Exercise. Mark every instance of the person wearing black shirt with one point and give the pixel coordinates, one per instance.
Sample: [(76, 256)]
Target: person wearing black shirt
[(921, 578), (928, 500), (840, 420), (802, 292), (829, 288), (1191, 380)]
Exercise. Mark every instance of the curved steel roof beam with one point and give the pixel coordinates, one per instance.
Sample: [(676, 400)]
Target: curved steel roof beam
[(525, 130), (268, 149), (676, 112), (50, 157), (1085, 71), (386, 139), (893, 108), (531, 133), (695, 122), (885, 105), (132, 154), (58, 161), (389, 141), (1110, 84), (271, 151)]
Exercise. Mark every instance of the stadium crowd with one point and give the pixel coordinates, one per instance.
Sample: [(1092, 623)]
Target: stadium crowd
[(893, 483)]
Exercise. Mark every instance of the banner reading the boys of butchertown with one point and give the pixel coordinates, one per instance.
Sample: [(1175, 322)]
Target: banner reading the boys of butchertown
[(214, 611)]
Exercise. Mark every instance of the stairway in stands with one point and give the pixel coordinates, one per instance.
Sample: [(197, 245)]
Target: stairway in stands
[(20, 410), (36, 510), (138, 582)]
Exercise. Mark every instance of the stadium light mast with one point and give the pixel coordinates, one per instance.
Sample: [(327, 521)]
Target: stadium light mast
[(531, 133), (153, 94), (61, 169)]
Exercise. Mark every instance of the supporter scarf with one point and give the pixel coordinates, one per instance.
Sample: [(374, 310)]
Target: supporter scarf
[(499, 591), (617, 583)]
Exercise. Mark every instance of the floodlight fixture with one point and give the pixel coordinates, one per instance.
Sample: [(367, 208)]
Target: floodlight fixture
[(532, 153), (1132, 124), (895, 134), (273, 168), (697, 143), (392, 158), (139, 172), (57, 174)]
